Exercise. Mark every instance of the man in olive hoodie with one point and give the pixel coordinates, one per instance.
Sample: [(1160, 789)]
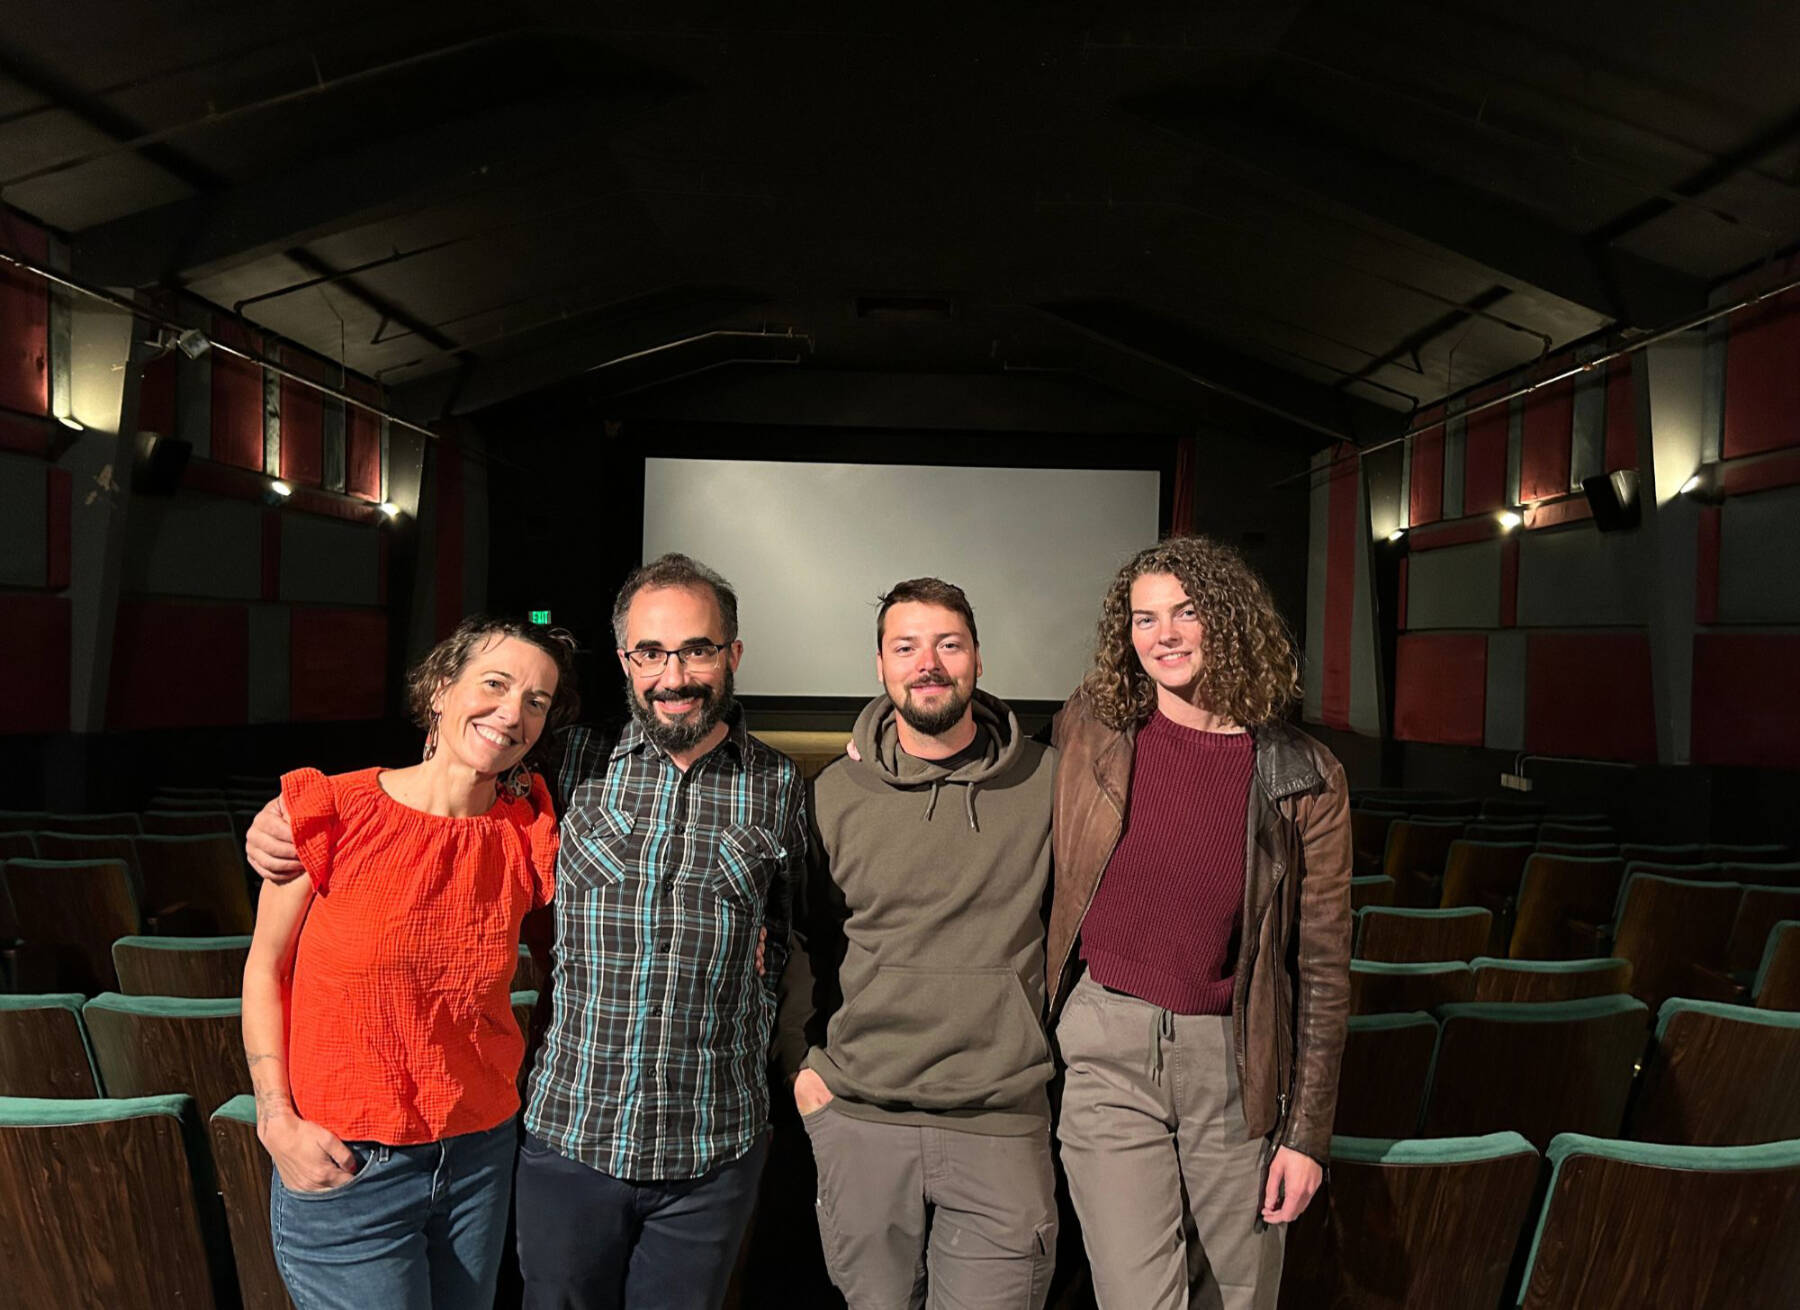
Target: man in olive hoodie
[(921, 987)]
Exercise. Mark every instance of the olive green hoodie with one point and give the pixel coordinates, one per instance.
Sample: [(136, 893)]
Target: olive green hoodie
[(924, 929)]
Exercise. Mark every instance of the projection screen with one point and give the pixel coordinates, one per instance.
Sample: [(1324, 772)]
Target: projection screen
[(809, 546)]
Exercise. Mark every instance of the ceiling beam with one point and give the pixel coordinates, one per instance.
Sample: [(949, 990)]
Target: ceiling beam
[(1493, 230), (314, 198)]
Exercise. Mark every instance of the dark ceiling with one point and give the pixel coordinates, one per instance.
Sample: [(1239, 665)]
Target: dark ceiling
[(1341, 209)]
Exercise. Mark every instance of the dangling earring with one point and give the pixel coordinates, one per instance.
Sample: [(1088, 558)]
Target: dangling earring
[(515, 783), (431, 737)]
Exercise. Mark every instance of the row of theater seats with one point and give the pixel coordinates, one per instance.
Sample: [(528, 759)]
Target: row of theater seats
[(115, 1201), (1719, 940), (1594, 1224), (1708, 1075)]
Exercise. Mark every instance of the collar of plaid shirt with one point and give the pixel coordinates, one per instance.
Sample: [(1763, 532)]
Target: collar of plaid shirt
[(653, 1065)]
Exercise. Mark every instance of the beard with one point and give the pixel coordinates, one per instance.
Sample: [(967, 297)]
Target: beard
[(715, 703), (938, 719)]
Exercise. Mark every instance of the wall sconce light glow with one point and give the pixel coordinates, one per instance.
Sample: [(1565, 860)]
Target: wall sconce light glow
[(1398, 534), (1509, 521), (72, 423), (281, 489), (389, 508), (1691, 485)]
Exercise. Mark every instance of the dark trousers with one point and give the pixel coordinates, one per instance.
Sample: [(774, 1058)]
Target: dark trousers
[(589, 1241)]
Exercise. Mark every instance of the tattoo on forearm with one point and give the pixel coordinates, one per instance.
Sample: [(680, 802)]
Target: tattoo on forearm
[(254, 1058)]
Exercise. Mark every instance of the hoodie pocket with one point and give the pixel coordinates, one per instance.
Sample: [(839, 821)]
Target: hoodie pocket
[(940, 1039), (598, 849), (748, 858)]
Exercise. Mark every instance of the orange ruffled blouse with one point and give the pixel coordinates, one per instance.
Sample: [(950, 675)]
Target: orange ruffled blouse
[(400, 1023)]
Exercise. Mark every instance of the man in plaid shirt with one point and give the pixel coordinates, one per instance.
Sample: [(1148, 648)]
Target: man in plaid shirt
[(647, 1120)]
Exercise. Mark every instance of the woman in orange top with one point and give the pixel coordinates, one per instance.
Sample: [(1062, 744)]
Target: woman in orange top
[(378, 1024)]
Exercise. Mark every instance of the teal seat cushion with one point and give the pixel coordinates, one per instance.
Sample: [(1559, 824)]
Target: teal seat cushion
[(1720, 1010), (1587, 1007), (1546, 966), (167, 1007), (1768, 956), (1363, 1023), (1430, 1150), (42, 1001), (39, 1112), (145, 943), (242, 1108), (1423, 967)]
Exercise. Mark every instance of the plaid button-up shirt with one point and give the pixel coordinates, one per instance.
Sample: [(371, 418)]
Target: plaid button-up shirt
[(654, 1063)]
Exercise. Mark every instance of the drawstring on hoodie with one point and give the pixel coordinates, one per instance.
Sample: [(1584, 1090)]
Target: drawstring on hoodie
[(1162, 1029), (968, 803)]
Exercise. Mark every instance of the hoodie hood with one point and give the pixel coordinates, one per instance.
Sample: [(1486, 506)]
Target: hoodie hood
[(997, 737)]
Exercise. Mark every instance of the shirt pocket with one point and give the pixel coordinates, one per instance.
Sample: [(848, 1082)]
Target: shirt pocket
[(748, 859), (598, 846)]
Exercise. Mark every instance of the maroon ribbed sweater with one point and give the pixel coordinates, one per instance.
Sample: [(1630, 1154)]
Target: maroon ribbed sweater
[(1164, 923)]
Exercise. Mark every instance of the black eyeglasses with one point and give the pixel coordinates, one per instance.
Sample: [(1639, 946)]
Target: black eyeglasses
[(700, 657)]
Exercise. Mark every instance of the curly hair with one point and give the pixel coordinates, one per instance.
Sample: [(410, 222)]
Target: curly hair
[(445, 662), (1248, 672)]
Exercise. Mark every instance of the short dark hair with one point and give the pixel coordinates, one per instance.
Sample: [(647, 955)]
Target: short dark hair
[(925, 591), (444, 663), (676, 570)]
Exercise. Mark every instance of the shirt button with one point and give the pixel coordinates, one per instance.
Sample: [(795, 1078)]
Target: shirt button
[(680, 828)]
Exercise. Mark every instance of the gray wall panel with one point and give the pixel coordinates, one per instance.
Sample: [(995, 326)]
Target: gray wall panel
[(1580, 577), (1365, 665), (194, 545), (1759, 558), (329, 562), (1505, 729), (1454, 587)]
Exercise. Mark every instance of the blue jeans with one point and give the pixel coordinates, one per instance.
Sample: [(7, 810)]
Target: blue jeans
[(589, 1241), (417, 1228)]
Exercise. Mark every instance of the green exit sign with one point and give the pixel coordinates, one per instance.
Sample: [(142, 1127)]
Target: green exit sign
[(540, 616)]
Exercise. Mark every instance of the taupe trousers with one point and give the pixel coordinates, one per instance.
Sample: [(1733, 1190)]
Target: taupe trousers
[(1152, 1131), (922, 1216)]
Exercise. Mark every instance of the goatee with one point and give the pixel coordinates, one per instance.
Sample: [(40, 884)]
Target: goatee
[(938, 720), (715, 704)]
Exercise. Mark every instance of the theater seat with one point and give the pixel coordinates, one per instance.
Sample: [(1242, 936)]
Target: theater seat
[(1486, 874), (1412, 1223), (22, 820), (1565, 905), (1663, 852), (18, 846), (1387, 1064), (241, 1168), (186, 823), (1777, 985), (1380, 988), (1414, 857), (1548, 980), (1629, 1225), (1378, 889), (195, 885), (1757, 914), (43, 1047), (71, 912), (152, 1045), (1535, 1068), (181, 966), (1402, 936), (1368, 836), (1720, 1075), (100, 1202), (122, 823), (1671, 928)]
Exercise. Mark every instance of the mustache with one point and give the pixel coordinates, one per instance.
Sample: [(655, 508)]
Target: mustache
[(692, 691), (932, 680)]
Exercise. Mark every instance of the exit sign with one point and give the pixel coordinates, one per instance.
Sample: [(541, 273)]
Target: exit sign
[(540, 616)]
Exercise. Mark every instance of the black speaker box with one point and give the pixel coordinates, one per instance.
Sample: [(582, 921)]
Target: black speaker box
[(1613, 497), (159, 464)]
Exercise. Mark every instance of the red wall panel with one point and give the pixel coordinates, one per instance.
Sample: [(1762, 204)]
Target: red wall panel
[(156, 397), (1548, 432), (1338, 656), (1484, 460), (1589, 696), (362, 446), (1746, 699), (237, 400), (339, 664), (1762, 381), (179, 665), (1425, 494), (24, 324), (302, 434), (1621, 417), (34, 662), (1440, 688)]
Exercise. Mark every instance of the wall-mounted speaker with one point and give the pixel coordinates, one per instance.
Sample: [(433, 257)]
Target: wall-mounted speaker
[(159, 464), (1613, 497)]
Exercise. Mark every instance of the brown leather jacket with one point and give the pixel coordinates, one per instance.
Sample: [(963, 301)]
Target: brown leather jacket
[(1291, 999)]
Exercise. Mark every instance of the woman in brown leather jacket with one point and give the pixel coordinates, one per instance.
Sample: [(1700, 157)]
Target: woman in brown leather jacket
[(1199, 940)]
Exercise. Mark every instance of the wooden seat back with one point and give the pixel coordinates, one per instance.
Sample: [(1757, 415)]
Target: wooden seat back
[(1414, 857), (72, 911), (122, 823), (43, 1047), (1758, 911), (1537, 1069), (1628, 1225), (1387, 1064), (100, 1204), (196, 882), (1671, 927), (1417, 1223), (1548, 980), (1565, 902), (1777, 985), (1407, 936), (152, 1045), (1380, 988), (186, 823), (241, 1167), (1719, 1075), (181, 966)]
